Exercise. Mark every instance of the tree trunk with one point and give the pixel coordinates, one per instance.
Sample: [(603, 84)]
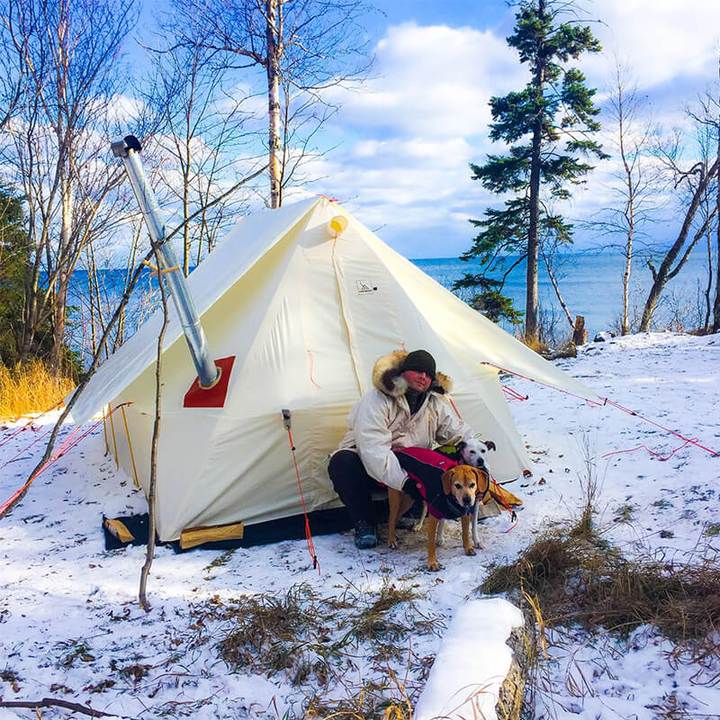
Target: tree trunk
[(531, 291), (63, 278), (272, 67), (580, 334), (57, 354), (92, 284), (152, 521), (556, 288), (29, 319), (708, 287), (629, 242), (629, 212), (625, 324), (664, 273)]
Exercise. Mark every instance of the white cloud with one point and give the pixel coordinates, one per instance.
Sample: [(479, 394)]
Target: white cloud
[(433, 81), (660, 39), (424, 115)]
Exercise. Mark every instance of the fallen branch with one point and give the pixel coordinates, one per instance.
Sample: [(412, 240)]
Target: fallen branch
[(55, 702)]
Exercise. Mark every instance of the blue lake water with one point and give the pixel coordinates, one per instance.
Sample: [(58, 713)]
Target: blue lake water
[(591, 285)]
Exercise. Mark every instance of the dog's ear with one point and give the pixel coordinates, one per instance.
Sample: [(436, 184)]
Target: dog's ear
[(490, 444), (460, 446), (483, 480), (447, 481)]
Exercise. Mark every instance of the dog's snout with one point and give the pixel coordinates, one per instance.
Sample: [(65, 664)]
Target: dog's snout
[(467, 500)]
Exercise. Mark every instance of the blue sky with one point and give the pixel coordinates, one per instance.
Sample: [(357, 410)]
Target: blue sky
[(402, 143)]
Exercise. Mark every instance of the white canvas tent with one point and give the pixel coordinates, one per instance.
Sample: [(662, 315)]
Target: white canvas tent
[(306, 313)]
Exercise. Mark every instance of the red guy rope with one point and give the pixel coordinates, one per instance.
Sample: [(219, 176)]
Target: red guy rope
[(513, 394), (308, 532), (608, 401), (73, 439)]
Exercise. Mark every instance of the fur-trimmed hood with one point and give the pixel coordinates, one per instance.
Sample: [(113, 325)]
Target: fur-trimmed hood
[(387, 377)]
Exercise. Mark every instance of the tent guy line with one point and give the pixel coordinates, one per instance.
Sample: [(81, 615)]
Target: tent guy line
[(74, 438), (607, 401)]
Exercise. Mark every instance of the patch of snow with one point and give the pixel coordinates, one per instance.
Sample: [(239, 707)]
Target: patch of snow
[(472, 663), (70, 626)]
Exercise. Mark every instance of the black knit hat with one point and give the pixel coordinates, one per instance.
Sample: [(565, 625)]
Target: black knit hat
[(420, 361)]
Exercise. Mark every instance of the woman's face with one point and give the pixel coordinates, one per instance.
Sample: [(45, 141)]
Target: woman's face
[(418, 381)]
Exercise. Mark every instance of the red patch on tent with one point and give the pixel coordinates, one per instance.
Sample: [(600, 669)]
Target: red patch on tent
[(213, 397)]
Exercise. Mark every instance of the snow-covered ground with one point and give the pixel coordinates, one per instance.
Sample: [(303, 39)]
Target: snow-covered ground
[(71, 628)]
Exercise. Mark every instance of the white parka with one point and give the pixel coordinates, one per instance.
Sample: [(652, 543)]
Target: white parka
[(381, 421)]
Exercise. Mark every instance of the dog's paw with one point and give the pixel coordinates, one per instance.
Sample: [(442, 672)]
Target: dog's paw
[(476, 544), (393, 543), (433, 565), (470, 550)]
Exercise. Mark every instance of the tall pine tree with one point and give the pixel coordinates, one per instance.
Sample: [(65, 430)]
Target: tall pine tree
[(547, 126)]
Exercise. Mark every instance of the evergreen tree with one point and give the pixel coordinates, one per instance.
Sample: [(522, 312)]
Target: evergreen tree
[(547, 126), (14, 253)]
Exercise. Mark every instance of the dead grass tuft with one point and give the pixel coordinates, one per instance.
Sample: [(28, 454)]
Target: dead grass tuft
[(539, 346), (386, 700), (270, 633), (374, 622), (576, 578), (30, 388), (308, 638)]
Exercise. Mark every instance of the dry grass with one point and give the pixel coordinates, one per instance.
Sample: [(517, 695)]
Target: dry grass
[(311, 639), (577, 578), (536, 344), (30, 388), (387, 700)]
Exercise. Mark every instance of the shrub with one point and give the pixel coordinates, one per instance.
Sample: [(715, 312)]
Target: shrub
[(30, 388)]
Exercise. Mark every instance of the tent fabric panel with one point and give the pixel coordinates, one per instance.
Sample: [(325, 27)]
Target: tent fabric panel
[(140, 432), (229, 323), (249, 478), (209, 281), (407, 327), (484, 407), (468, 330), (377, 323)]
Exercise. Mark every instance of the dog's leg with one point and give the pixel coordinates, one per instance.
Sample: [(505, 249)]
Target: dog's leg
[(423, 515), (394, 500), (440, 533), (474, 524), (432, 561), (465, 521)]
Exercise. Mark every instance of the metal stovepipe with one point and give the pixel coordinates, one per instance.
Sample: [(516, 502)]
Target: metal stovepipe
[(128, 150)]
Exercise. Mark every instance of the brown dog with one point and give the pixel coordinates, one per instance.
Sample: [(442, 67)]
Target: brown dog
[(463, 484)]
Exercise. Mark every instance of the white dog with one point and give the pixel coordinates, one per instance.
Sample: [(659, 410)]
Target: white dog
[(474, 452)]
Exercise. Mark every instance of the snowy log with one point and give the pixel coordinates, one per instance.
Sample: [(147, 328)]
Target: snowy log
[(473, 662)]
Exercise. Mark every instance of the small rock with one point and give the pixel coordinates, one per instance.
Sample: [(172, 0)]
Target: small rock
[(604, 336)]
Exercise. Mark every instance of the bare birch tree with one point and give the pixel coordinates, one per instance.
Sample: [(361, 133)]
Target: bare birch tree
[(707, 118), (302, 47), (692, 184), (203, 143), (56, 145), (637, 180)]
